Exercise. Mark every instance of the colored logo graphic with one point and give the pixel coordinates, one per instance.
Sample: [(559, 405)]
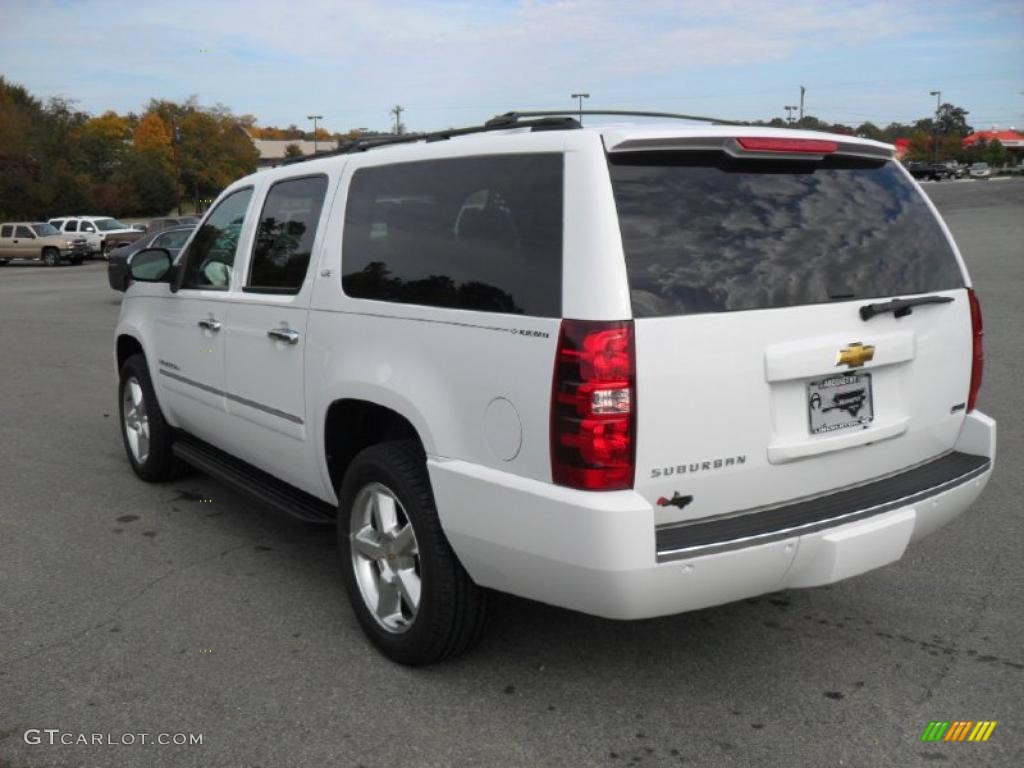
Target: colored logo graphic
[(958, 730)]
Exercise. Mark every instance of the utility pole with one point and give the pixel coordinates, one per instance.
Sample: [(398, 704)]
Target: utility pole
[(802, 92), (580, 97), (789, 112), (938, 106), (314, 118), (397, 111)]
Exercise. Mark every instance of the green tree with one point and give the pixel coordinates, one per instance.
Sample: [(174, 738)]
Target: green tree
[(870, 131), (995, 154), (953, 119), (292, 150)]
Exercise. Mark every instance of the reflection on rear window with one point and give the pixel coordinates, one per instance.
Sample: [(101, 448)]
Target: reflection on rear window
[(705, 233)]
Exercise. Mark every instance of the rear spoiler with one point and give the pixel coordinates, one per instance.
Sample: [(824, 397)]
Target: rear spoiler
[(773, 147)]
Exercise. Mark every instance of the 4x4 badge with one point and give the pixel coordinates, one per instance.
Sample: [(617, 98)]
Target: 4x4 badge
[(855, 355)]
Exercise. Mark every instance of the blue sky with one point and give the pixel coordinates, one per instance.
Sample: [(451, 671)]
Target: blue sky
[(454, 63)]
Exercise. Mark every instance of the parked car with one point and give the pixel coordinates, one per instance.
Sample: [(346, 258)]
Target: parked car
[(980, 171), (630, 370), (37, 240), (102, 233), (956, 170), (120, 259), (929, 171)]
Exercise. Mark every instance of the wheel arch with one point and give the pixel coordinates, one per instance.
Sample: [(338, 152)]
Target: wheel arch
[(128, 345), (352, 424)]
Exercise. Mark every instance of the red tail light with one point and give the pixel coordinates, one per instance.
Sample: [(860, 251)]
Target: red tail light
[(977, 351), (593, 406), (812, 146)]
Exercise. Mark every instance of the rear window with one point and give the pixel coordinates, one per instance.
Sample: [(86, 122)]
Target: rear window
[(703, 232), (481, 233)]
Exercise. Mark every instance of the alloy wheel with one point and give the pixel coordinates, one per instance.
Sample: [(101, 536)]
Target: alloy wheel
[(136, 421), (385, 557)]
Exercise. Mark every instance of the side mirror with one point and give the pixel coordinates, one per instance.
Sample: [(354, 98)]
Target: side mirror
[(152, 265)]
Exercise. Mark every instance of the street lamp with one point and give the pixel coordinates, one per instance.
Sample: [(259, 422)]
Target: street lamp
[(581, 97), (314, 118), (789, 112), (938, 106)]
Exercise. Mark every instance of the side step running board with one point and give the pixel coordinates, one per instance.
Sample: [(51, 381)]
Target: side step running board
[(253, 482)]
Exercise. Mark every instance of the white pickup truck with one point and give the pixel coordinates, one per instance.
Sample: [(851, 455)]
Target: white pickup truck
[(629, 370), (102, 233)]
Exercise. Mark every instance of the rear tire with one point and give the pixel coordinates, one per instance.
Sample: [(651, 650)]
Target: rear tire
[(412, 597), (51, 257), (146, 434)]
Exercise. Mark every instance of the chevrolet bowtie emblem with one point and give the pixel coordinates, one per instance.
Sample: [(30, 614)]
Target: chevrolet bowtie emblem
[(855, 355)]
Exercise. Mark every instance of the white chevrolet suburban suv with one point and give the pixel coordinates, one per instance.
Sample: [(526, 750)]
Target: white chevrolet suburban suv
[(630, 370)]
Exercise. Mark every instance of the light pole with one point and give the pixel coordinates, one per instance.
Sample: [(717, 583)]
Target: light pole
[(314, 118), (580, 97), (802, 92), (789, 112), (938, 106)]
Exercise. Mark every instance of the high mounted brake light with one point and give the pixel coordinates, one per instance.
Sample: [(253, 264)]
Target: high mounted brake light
[(593, 406), (788, 146)]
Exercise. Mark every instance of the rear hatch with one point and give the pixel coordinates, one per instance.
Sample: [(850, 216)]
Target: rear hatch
[(770, 363)]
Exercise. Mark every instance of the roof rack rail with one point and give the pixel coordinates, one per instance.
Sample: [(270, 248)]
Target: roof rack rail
[(556, 121), (513, 116)]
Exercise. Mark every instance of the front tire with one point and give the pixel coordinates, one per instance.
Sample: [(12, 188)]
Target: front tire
[(51, 257), (147, 435), (412, 597)]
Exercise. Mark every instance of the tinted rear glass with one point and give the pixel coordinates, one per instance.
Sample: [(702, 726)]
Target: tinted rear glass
[(481, 233), (705, 233)]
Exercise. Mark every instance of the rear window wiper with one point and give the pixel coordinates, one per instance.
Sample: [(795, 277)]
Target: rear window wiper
[(900, 307)]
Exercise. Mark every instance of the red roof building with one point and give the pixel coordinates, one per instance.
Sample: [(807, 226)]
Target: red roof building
[(1009, 139)]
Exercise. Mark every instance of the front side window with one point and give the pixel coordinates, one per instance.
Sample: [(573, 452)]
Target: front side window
[(212, 252), (285, 234), (24, 232), (480, 233), (87, 227), (173, 239)]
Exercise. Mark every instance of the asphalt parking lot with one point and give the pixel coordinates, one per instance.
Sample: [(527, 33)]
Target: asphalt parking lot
[(127, 608)]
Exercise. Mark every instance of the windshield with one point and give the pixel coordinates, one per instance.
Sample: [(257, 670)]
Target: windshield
[(980, 165), (704, 233), (106, 225), (45, 230)]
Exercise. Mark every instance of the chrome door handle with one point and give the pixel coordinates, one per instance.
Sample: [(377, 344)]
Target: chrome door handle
[(284, 334), (209, 324)]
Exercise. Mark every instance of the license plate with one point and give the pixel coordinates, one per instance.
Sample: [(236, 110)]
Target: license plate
[(839, 402)]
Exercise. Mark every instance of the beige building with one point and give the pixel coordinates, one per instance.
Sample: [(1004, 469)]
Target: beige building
[(274, 151)]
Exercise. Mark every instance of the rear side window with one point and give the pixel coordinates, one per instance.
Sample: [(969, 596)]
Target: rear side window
[(285, 234), (705, 233), (480, 233), (6, 231), (71, 226)]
